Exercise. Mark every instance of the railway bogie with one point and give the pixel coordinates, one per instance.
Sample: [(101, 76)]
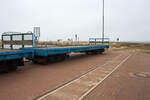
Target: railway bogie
[(49, 59), (11, 65), (99, 51)]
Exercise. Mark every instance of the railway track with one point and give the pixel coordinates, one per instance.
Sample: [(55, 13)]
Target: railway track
[(81, 86)]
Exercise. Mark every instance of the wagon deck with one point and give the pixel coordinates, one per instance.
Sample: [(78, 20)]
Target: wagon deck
[(15, 54), (67, 49), (6, 51)]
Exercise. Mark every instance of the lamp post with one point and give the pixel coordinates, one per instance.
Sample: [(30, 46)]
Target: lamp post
[(103, 22)]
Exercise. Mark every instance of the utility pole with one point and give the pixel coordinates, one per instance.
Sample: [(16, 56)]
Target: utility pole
[(103, 22)]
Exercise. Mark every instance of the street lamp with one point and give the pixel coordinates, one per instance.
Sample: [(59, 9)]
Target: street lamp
[(103, 22)]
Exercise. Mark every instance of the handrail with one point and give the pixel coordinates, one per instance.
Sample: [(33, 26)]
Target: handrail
[(11, 40), (98, 40)]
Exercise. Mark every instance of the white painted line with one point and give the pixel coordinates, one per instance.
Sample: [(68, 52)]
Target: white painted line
[(104, 78), (74, 80), (67, 84)]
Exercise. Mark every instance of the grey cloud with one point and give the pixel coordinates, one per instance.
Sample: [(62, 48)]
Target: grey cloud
[(127, 19)]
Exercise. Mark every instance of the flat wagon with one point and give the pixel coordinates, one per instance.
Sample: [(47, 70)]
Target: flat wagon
[(20, 46), (13, 52), (50, 54)]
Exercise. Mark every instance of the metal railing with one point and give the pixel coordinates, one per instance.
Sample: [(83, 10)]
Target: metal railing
[(96, 41), (17, 40)]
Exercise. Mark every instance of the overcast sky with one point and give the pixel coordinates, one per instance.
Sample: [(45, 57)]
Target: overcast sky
[(61, 19)]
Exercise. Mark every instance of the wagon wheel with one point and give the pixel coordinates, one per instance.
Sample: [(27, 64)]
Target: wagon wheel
[(12, 66), (3, 66), (101, 51)]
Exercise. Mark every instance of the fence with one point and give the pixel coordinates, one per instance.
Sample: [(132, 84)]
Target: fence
[(98, 40)]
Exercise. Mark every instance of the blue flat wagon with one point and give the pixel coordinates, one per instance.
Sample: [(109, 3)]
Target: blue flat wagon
[(13, 51), (48, 54), (20, 46), (10, 59)]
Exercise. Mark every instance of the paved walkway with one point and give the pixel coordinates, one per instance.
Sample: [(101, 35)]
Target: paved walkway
[(33, 80), (79, 88), (123, 84)]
